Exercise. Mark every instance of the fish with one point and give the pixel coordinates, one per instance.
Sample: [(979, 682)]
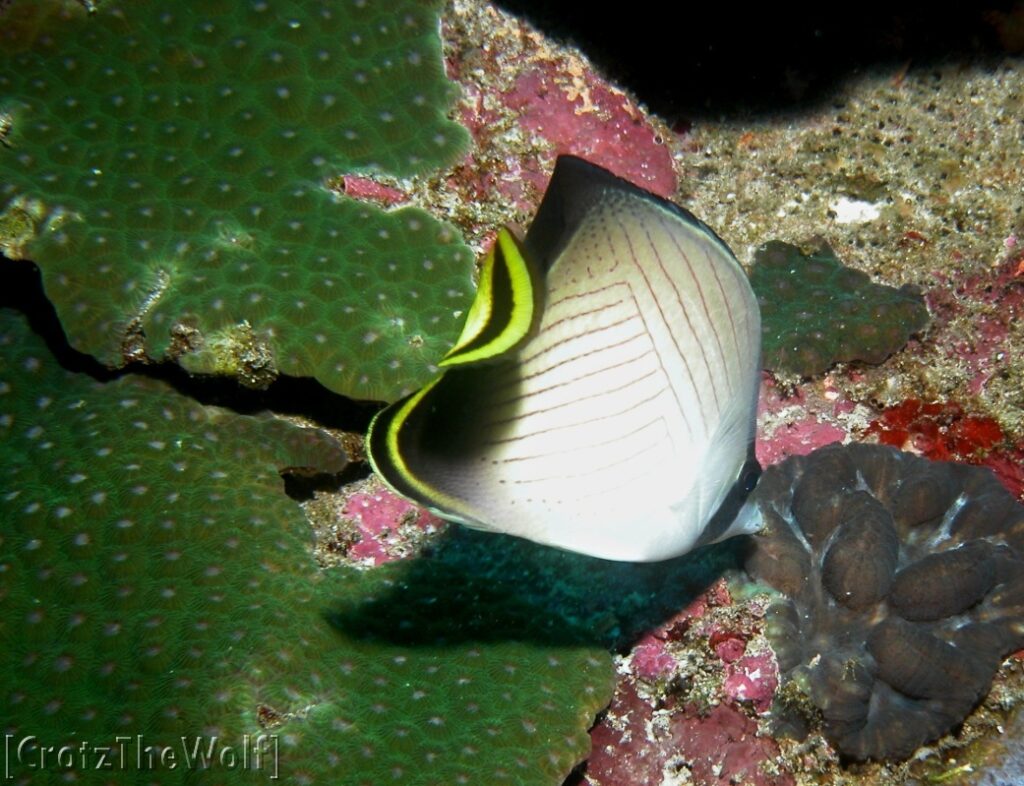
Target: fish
[(601, 397)]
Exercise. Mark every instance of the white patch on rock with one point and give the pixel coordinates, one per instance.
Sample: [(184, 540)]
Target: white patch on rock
[(854, 211)]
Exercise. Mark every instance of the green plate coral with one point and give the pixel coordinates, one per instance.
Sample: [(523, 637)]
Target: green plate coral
[(156, 581), (165, 166), (815, 311)]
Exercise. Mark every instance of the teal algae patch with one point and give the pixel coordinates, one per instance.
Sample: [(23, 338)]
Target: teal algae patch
[(816, 312), (157, 581), (165, 166)]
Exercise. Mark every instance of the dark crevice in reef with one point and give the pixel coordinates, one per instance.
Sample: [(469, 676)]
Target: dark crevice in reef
[(22, 290), (721, 60), (302, 485)]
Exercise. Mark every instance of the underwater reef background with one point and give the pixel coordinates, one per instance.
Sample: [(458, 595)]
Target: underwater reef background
[(288, 197)]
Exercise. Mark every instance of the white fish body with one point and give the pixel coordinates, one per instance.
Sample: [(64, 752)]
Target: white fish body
[(621, 425)]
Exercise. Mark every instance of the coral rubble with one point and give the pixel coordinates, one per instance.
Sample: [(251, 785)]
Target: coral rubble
[(904, 585)]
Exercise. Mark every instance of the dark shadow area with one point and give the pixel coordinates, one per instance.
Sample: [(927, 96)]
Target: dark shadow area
[(480, 587), (302, 483), (22, 290), (691, 60)]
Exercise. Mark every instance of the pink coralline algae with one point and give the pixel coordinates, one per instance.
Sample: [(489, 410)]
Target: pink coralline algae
[(674, 721), (797, 438), (728, 646), (813, 423), (383, 522), (723, 748), (753, 678), (565, 108), (995, 301), (582, 115), (633, 747), (367, 189), (651, 660)]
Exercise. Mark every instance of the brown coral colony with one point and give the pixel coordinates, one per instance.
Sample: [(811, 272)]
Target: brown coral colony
[(905, 590)]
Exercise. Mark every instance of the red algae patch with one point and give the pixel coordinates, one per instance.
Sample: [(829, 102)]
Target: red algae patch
[(943, 431)]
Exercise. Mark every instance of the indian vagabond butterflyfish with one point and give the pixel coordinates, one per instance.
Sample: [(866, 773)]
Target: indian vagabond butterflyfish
[(602, 395)]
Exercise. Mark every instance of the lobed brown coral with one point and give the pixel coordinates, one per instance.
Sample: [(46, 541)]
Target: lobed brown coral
[(904, 580)]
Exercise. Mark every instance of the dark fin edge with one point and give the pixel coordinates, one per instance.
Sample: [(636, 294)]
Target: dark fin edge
[(576, 186)]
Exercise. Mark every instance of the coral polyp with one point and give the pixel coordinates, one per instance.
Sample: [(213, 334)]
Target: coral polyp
[(904, 585)]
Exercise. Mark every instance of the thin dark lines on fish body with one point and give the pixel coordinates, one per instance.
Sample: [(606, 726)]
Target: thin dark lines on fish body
[(621, 422)]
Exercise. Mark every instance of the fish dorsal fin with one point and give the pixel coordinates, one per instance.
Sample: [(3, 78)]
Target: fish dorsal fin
[(506, 308), (577, 187)]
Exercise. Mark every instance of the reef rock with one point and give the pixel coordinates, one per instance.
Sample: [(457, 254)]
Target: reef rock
[(904, 580)]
